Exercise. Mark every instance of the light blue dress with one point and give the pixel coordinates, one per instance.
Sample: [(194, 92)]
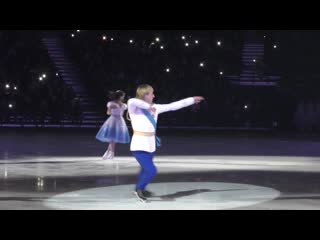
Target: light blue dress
[(115, 128)]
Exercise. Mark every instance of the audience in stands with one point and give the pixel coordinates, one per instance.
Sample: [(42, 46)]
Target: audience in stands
[(30, 91)]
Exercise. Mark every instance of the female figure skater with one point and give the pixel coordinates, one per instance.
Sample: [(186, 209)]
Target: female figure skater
[(144, 115), (114, 130)]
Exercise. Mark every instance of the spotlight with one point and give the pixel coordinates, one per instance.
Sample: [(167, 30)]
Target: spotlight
[(168, 70), (221, 73), (15, 88), (201, 64), (275, 46), (72, 35), (44, 75), (10, 105), (7, 86), (196, 41), (104, 38), (161, 47), (157, 39), (40, 78), (187, 44), (219, 43), (183, 37), (131, 41)]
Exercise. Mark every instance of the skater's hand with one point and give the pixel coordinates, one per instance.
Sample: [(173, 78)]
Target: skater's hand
[(152, 110), (198, 99)]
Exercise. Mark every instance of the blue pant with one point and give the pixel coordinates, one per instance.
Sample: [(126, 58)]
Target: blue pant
[(148, 169)]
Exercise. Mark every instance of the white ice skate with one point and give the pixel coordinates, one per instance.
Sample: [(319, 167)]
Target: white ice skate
[(108, 155)]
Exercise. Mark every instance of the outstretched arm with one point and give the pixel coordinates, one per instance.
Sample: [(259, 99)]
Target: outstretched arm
[(162, 108), (137, 103)]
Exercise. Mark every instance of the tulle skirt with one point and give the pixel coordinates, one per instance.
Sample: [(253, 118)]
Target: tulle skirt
[(114, 130)]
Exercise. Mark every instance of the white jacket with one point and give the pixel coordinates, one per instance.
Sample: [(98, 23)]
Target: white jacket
[(141, 123)]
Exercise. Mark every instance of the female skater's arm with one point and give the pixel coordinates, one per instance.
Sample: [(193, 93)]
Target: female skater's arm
[(162, 108), (110, 106)]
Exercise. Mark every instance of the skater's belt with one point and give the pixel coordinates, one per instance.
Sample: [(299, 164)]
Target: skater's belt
[(144, 134)]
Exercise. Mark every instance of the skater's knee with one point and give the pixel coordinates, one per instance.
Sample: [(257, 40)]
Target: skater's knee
[(153, 172)]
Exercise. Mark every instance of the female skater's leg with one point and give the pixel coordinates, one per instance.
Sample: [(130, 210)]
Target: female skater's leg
[(113, 147)]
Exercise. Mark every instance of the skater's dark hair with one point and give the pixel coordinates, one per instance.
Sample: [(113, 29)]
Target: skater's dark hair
[(114, 96)]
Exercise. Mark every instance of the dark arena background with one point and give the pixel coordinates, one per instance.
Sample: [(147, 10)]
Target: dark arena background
[(253, 144)]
